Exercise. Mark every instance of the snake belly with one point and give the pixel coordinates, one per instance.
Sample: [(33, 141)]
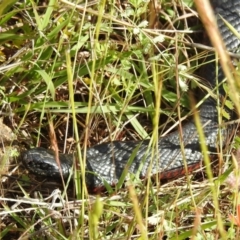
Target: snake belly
[(105, 163)]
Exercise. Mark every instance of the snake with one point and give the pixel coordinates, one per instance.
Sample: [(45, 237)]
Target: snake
[(174, 154)]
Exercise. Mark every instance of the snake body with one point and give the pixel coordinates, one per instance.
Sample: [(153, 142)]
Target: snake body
[(105, 163)]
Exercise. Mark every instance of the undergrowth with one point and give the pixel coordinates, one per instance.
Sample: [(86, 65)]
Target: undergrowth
[(96, 72)]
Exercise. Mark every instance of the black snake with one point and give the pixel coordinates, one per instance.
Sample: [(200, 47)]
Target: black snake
[(105, 163)]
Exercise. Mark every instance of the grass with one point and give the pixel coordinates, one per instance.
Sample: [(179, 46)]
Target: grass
[(98, 72)]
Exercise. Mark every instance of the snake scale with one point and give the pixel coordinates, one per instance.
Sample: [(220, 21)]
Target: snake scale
[(105, 163)]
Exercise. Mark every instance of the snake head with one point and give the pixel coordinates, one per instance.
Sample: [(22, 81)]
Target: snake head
[(43, 162)]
